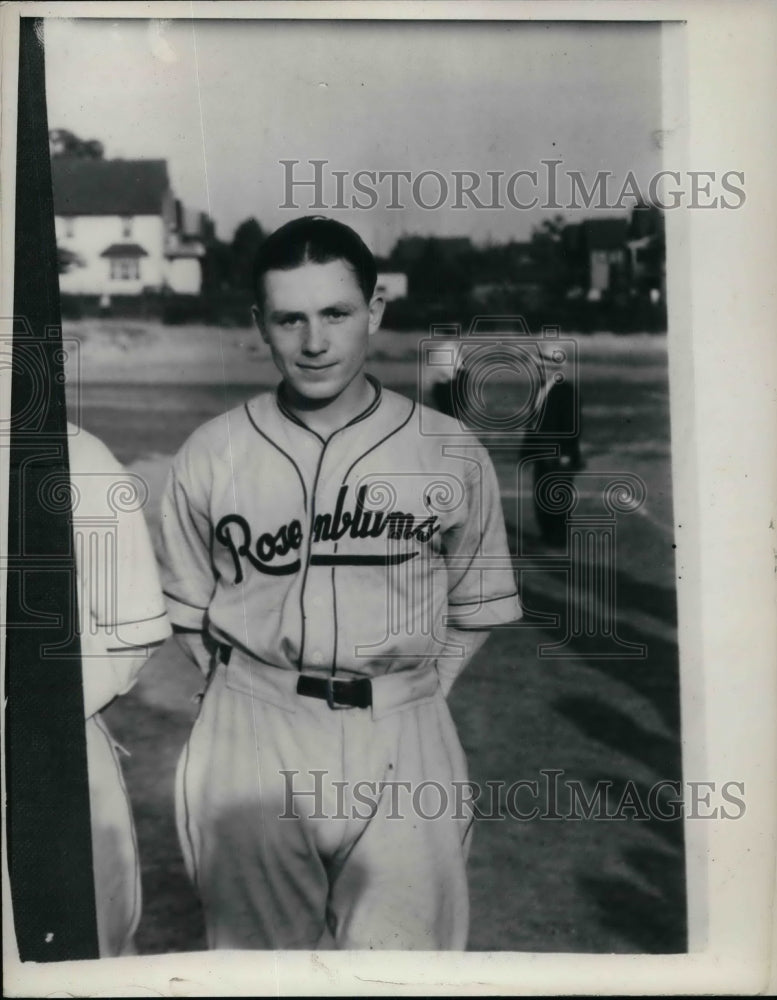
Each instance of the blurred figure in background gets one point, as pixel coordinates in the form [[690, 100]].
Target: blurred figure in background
[[448, 381], [559, 426], [122, 617]]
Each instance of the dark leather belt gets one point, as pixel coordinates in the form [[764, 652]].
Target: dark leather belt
[[335, 692]]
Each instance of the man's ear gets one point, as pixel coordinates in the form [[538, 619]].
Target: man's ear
[[377, 305], [256, 314]]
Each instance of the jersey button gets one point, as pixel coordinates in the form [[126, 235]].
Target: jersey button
[[318, 600], [318, 657]]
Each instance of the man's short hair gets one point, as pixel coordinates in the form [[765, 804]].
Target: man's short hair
[[314, 239]]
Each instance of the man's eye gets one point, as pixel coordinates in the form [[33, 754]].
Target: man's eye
[[335, 315], [289, 321]]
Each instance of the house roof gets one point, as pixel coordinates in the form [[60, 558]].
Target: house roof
[[124, 250], [108, 187]]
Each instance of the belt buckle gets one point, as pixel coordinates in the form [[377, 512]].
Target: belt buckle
[[330, 695]]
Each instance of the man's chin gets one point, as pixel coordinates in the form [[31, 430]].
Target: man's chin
[[317, 392]]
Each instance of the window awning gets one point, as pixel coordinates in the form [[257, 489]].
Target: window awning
[[124, 250]]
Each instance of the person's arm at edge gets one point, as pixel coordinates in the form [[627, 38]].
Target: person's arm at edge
[[186, 571], [450, 667], [478, 605], [107, 677]]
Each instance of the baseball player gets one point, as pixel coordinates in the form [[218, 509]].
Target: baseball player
[[121, 618], [332, 570]]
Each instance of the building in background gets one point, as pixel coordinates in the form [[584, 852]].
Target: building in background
[[605, 242], [647, 252], [121, 230], [186, 245], [596, 255]]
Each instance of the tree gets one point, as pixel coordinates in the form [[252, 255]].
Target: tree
[[67, 260], [93, 149], [549, 230], [218, 267], [65, 143], [248, 237], [438, 268], [551, 255]]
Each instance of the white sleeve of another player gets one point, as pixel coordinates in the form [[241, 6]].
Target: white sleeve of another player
[[126, 616], [188, 580], [481, 583], [121, 609]]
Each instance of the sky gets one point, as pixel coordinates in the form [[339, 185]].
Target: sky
[[224, 102]]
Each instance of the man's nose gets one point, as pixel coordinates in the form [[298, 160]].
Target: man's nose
[[315, 341]]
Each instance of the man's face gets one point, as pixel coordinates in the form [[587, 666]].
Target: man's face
[[316, 322]]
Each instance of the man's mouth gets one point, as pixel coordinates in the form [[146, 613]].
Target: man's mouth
[[316, 368]]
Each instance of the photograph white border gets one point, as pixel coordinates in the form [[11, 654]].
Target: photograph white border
[[723, 380]]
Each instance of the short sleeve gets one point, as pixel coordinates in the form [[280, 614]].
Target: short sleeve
[[481, 584], [188, 580], [122, 612], [139, 616]]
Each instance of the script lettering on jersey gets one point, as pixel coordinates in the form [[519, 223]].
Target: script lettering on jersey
[[287, 537], [370, 524], [234, 532]]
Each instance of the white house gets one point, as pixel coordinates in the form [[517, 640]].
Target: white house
[[185, 248], [127, 232]]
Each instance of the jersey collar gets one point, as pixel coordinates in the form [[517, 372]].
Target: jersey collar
[[366, 412]]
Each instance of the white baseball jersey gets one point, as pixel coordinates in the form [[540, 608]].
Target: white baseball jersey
[[121, 613], [346, 556]]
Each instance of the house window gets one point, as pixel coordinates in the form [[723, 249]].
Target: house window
[[126, 226], [125, 268], [70, 226]]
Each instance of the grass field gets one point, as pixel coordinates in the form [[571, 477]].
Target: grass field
[[607, 885]]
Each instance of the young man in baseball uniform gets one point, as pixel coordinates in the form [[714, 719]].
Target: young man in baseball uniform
[[331, 569]]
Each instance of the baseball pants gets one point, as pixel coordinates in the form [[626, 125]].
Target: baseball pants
[[116, 867], [374, 858]]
